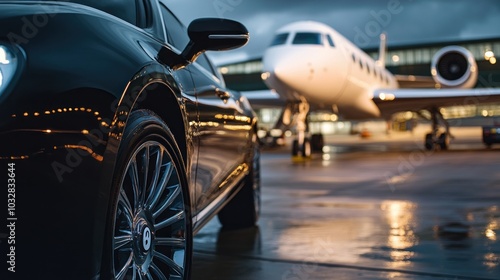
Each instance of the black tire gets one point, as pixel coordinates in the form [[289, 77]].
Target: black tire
[[243, 210], [306, 148], [444, 141], [317, 142], [429, 142], [295, 148], [149, 222]]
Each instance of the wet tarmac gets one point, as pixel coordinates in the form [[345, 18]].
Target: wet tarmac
[[380, 208]]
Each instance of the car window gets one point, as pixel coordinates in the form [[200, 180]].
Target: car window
[[144, 14], [307, 38], [177, 34]]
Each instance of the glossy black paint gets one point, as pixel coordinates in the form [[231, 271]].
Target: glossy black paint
[[61, 122], [214, 34]]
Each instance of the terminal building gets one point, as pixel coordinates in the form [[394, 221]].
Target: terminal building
[[405, 60]]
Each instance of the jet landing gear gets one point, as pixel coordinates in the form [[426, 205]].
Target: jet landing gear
[[304, 144], [432, 140], [301, 147]]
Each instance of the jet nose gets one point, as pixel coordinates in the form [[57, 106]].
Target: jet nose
[[285, 70]]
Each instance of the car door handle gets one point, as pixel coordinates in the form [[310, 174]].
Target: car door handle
[[222, 94]]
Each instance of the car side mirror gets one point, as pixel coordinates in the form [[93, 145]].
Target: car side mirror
[[206, 34], [214, 34]]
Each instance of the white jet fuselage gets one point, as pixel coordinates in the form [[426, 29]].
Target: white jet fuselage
[[329, 71]]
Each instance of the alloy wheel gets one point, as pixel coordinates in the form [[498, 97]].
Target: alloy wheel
[[150, 228]]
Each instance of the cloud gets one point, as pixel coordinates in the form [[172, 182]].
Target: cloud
[[418, 22]]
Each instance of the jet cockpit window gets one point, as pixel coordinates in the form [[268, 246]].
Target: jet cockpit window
[[330, 40], [307, 38], [280, 39]]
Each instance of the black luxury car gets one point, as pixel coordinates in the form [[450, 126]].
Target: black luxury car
[[118, 139]]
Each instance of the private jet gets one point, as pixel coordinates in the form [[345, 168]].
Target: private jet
[[312, 66]]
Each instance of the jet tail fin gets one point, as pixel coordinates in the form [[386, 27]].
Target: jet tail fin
[[382, 50]]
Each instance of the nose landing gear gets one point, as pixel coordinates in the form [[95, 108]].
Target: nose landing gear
[[301, 147]]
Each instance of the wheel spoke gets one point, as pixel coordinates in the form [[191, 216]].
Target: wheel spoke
[[122, 241], [123, 271], [173, 195], [169, 169], [175, 218], [148, 275], [157, 271], [156, 175], [134, 177], [145, 171], [128, 210], [176, 268], [134, 272], [171, 242]]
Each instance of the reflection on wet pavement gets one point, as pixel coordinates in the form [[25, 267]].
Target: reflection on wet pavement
[[402, 238], [345, 220]]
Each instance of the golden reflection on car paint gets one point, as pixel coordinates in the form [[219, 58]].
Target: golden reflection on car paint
[[49, 112], [400, 216], [237, 127], [242, 168], [91, 152], [15, 157], [59, 110], [231, 117]]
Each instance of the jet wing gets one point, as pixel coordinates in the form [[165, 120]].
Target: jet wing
[[412, 81], [398, 100]]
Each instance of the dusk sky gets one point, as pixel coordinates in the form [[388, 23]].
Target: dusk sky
[[405, 21]]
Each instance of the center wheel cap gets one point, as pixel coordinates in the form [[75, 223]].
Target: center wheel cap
[[146, 239]]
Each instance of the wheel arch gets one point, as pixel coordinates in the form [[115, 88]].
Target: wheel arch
[[162, 101], [152, 89]]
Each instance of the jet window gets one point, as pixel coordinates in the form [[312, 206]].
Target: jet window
[[279, 39], [307, 38], [330, 40]]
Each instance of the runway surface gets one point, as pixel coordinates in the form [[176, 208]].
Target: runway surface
[[379, 208]]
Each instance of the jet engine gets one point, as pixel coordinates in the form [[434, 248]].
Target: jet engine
[[454, 67]]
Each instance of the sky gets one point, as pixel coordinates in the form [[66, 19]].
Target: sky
[[405, 22]]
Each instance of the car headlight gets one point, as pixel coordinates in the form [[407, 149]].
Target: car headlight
[[10, 57]]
